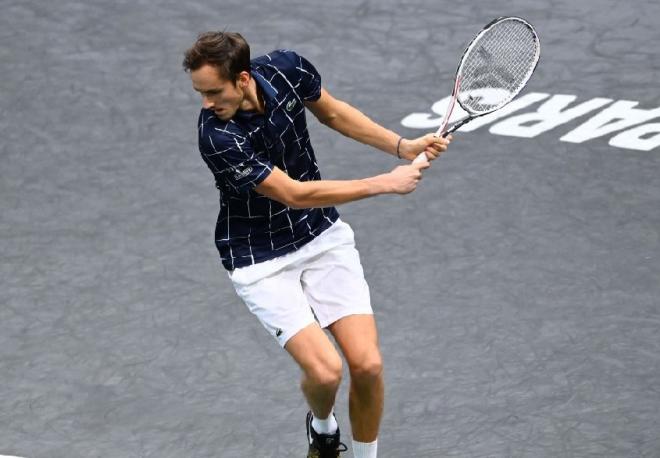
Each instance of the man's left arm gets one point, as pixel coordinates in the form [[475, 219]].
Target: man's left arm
[[352, 123]]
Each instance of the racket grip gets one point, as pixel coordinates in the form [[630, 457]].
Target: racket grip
[[420, 158]]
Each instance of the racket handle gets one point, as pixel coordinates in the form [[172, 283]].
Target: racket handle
[[420, 158]]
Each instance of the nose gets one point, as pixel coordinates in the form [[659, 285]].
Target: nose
[[207, 103]]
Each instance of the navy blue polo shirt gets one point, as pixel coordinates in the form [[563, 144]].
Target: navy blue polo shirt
[[242, 152]]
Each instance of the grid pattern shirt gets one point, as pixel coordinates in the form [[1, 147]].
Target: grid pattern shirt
[[242, 152]]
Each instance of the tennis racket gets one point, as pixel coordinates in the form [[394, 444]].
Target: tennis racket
[[493, 70]]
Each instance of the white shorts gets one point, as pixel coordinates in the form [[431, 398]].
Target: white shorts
[[321, 281]]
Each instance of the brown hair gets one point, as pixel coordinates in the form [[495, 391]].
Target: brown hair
[[228, 52]]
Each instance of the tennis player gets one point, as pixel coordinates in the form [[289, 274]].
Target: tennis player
[[290, 257]]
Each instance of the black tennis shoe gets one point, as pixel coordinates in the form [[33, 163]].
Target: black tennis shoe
[[323, 445]]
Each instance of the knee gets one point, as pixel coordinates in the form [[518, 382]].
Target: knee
[[325, 374], [368, 368]]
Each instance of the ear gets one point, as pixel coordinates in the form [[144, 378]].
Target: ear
[[243, 79]]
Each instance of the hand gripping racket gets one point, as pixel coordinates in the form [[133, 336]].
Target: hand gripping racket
[[494, 68]]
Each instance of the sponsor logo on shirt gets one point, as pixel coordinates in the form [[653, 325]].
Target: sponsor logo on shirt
[[290, 105], [242, 173]]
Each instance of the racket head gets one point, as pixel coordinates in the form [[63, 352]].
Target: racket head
[[496, 65]]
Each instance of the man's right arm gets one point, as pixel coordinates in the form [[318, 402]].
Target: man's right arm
[[327, 193]]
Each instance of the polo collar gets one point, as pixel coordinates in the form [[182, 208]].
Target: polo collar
[[267, 89]]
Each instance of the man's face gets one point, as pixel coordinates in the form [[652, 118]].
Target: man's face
[[222, 96]]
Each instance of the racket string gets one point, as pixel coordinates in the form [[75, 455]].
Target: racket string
[[497, 65]]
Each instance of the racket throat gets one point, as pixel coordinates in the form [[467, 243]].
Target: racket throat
[[456, 126]]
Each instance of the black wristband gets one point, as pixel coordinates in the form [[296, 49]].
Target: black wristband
[[398, 144]]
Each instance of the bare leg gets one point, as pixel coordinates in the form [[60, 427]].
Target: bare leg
[[358, 339], [321, 366]]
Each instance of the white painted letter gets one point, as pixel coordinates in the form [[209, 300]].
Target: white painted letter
[[548, 116], [617, 116], [632, 139], [426, 121], [515, 105]]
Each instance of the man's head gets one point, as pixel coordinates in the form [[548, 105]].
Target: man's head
[[219, 66]]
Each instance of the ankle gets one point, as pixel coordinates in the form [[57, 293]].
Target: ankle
[[325, 425], [365, 449]]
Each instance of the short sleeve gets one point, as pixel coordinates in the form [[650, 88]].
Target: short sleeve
[[307, 78], [233, 161]]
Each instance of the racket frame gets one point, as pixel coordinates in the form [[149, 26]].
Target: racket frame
[[471, 113]]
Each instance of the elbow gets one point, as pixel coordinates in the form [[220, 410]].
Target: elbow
[[298, 206], [295, 196], [329, 119], [284, 190], [297, 203], [335, 114], [287, 200]]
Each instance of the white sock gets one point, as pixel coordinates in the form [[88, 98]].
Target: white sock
[[365, 449], [325, 426]]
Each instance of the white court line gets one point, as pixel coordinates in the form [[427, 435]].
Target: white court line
[[10, 456]]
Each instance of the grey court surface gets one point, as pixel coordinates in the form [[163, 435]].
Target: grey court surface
[[517, 291]]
